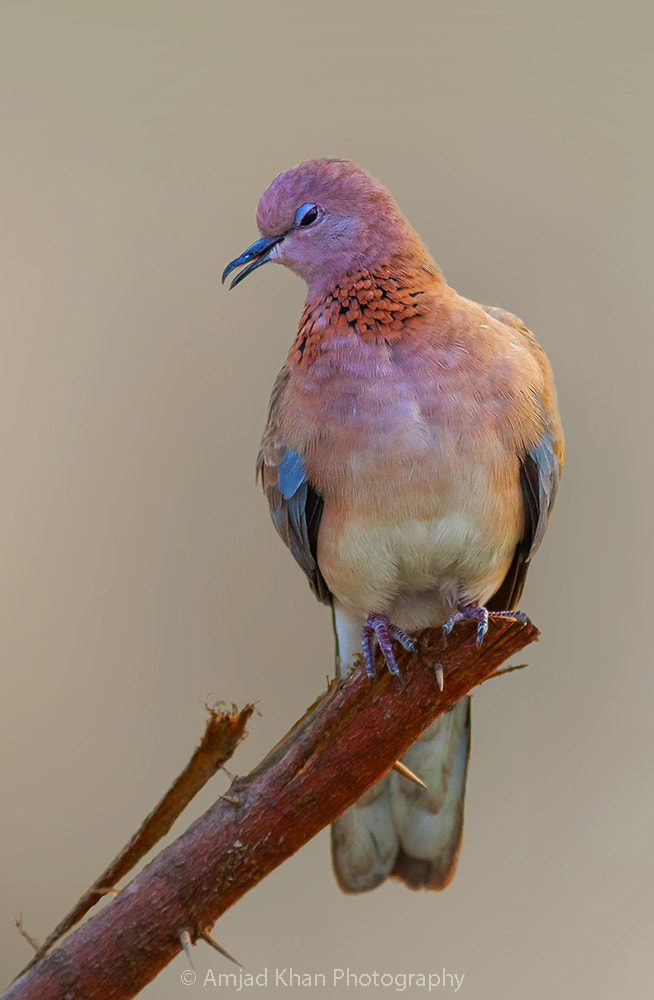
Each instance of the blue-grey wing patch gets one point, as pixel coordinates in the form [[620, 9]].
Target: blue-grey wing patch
[[295, 507], [539, 475], [539, 481]]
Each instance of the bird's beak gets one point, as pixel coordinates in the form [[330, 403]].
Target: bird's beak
[[257, 254]]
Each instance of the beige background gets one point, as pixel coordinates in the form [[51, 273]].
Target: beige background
[[137, 558]]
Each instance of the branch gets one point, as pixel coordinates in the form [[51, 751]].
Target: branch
[[343, 744], [224, 731]]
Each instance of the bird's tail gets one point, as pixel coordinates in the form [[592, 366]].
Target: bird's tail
[[401, 830]]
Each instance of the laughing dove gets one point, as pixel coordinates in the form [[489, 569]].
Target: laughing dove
[[411, 460]]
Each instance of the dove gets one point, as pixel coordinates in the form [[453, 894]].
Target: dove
[[411, 459]]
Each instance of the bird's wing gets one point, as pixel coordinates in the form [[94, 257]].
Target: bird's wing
[[295, 506], [540, 473]]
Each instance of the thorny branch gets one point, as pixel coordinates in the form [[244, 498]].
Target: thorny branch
[[224, 731], [348, 739]]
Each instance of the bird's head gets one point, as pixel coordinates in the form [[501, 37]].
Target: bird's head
[[325, 219]]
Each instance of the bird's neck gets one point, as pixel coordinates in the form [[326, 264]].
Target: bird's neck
[[377, 305]]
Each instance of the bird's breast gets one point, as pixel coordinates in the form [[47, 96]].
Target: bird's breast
[[364, 412], [421, 497]]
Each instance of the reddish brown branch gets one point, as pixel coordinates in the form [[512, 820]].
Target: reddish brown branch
[[347, 740]]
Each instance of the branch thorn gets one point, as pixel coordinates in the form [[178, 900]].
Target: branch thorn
[[406, 773], [206, 936], [32, 941], [185, 939]]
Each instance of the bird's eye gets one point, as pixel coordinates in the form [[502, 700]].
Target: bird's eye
[[306, 215]]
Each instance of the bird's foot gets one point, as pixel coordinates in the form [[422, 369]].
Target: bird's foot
[[481, 615], [381, 628], [475, 611]]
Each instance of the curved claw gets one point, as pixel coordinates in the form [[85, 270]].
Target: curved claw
[[381, 628]]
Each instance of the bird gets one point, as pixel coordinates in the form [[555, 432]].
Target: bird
[[411, 459]]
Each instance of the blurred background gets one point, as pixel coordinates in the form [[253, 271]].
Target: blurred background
[[139, 572]]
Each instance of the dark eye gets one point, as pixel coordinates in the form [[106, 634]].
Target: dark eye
[[306, 215]]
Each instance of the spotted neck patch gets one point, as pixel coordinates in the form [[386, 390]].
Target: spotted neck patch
[[375, 305]]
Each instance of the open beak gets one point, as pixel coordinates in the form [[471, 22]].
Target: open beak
[[254, 257]]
